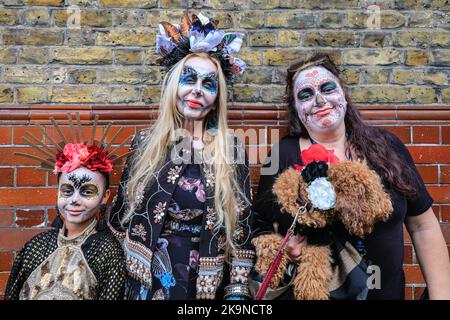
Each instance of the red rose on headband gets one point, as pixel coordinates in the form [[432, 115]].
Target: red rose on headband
[[75, 155], [317, 152], [98, 160]]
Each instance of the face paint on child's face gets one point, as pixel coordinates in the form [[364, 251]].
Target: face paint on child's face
[[80, 195], [198, 88], [319, 99]]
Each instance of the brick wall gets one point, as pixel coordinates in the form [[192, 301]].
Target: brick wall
[[397, 71]]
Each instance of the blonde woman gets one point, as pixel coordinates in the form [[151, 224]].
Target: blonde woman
[[182, 210]]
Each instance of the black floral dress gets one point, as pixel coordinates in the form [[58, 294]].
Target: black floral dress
[[175, 261]]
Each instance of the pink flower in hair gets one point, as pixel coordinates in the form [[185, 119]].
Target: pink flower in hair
[[75, 154], [78, 155]]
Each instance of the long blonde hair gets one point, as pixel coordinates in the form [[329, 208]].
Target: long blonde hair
[[219, 149]]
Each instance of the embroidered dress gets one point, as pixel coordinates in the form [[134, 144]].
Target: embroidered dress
[[175, 260], [176, 218], [52, 266]]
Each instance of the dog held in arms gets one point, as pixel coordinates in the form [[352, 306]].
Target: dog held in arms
[[359, 203]]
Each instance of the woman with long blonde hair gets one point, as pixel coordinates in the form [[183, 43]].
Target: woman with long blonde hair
[[183, 208]]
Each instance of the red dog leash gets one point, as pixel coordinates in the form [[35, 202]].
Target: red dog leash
[[276, 262]]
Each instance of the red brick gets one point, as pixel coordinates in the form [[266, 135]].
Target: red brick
[[3, 281], [6, 217], [445, 228], [408, 255], [14, 239], [112, 195], [440, 194], [28, 197], [445, 131], [430, 154], [53, 133], [445, 174], [254, 175], [402, 132], [9, 158], [406, 236], [30, 177], [6, 261], [445, 213], [425, 134], [51, 214], [126, 132], [52, 179], [429, 174], [274, 137], [19, 133], [6, 177], [408, 293], [413, 274], [5, 135], [30, 218], [436, 210], [114, 176], [418, 292]]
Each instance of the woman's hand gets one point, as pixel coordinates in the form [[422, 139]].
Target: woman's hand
[[295, 246]]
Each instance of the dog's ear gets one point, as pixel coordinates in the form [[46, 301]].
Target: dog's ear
[[360, 199], [286, 189]]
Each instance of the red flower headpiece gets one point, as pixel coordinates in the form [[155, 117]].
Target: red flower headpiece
[[77, 155], [73, 154], [317, 152]]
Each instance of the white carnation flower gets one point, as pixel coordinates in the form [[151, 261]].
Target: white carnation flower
[[321, 194]]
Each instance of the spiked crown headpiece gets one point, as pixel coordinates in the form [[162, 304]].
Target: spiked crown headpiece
[[70, 154]]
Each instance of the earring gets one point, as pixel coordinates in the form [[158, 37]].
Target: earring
[[57, 223], [101, 225]]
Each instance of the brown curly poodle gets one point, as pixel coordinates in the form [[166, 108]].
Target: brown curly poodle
[[361, 202]]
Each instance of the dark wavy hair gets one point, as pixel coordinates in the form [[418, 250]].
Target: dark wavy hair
[[369, 143]]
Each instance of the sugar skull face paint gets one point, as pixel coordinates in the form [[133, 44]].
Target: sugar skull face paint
[[80, 194], [198, 88], [319, 99]]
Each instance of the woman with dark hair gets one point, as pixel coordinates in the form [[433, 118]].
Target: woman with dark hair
[[320, 112]]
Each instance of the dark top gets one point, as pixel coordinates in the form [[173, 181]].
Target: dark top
[[102, 251], [176, 257], [384, 245]]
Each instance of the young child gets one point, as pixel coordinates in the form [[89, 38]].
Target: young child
[[79, 258]]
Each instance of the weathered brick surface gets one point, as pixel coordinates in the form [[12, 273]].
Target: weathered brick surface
[[392, 57]]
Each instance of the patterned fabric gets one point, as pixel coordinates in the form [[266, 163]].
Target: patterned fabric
[[101, 251], [162, 215]]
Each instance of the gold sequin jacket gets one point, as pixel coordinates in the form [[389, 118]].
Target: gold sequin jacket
[[101, 250]]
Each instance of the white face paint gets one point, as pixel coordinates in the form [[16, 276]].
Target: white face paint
[[198, 88], [319, 99], [80, 194]]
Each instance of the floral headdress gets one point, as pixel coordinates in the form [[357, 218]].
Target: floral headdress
[[69, 155], [174, 42]]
